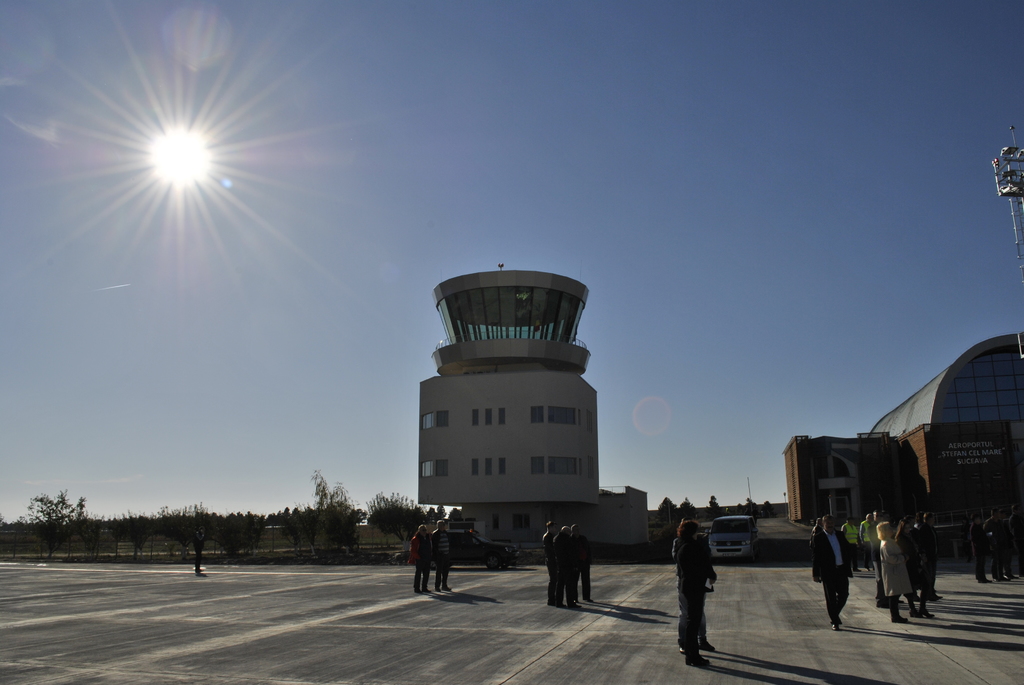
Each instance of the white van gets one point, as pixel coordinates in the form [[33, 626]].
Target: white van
[[734, 536]]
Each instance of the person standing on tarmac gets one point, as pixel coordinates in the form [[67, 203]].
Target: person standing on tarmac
[[550, 562], [567, 558], [583, 567], [441, 546], [853, 537], [867, 538], [198, 542]]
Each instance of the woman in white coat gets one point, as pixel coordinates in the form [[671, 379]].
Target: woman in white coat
[[895, 578]]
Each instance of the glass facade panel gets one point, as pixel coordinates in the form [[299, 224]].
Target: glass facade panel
[[988, 413], [964, 384], [970, 414], [1005, 383], [989, 388], [510, 312]]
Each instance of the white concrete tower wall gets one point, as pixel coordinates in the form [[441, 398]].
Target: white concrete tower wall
[[520, 454]]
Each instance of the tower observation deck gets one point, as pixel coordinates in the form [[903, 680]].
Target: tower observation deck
[[499, 321]]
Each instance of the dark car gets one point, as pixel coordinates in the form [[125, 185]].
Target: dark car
[[467, 547]]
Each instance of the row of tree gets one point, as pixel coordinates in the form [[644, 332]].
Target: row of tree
[[669, 513], [330, 520]]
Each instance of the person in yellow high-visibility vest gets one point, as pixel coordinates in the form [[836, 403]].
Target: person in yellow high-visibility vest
[[852, 533]]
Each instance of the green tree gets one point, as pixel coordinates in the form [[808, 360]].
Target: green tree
[[441, 513], [255, 525], [714, 509], [666, 511], [395, 515], [118, 531], [89, 529], [768, 509], [290, 528], [229, 532], [687, 510], [139, 528], [181, 524], [53, 518]]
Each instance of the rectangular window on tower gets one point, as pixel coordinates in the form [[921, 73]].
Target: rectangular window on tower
[[476, 417], [488, 415], [487, 466], [536, 465], [537, 414], [566, 415], [426, 469], [427, 421], [441, 467], [501, 416], [564, 466], [474, 467], [590, 467], [520, 521], [495, 521], [590, 421], [501, 466], [441, 420]]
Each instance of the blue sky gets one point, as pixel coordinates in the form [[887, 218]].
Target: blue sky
[[785, 214]]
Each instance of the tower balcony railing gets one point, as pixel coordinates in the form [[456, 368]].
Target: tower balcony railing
[[460, 339]]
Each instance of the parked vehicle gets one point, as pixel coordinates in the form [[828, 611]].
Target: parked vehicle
[[468, 547], [734, 536]]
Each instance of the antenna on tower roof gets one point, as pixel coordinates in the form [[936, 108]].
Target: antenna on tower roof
[[1009, 171]]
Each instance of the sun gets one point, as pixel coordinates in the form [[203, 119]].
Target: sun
[[181, 157]]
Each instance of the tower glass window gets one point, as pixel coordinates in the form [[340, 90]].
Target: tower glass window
[[488, 417], [476, 417], [501, 416], [511, 311], [536, 465], [537, 414]]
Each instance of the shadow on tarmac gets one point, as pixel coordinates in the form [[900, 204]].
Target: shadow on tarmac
[[790, 670], [623, 613], [462, 598]]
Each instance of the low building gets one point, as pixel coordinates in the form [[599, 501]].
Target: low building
[[953, 446]]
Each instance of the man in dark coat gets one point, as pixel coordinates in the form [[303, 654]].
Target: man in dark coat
[[1017, 533], [549, 561], [997, 541], [831, 555], [928, 545], [980, 547], [583, 565], [198, 542], [567, 559]]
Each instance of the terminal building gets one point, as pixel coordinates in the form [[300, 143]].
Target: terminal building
[[953, 446], [508, 427]]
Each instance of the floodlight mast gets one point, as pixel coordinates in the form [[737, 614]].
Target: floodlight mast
[[1009, 171]]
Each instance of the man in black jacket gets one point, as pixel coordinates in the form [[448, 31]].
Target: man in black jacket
[[198, 542], [583, 565], [551, 563], [928, 544], [1017, 532], [830, 561], [567, 559]]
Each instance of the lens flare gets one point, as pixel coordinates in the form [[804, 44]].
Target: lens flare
[[652, 416], [181, 157]]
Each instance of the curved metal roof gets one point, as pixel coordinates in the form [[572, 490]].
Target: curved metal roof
[[925, 405]]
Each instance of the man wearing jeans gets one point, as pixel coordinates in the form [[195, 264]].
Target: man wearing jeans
[[442, 556]]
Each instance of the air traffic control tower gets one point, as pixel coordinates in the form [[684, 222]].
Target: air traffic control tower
[[508, 427]]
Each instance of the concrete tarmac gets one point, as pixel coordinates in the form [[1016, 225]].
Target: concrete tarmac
[[103, 623]]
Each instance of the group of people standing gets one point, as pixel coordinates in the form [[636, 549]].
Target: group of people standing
[[903, 555], [425, 548], [997, 537], [567, 557]]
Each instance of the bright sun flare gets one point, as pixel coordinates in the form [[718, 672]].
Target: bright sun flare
[[181, 157]]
